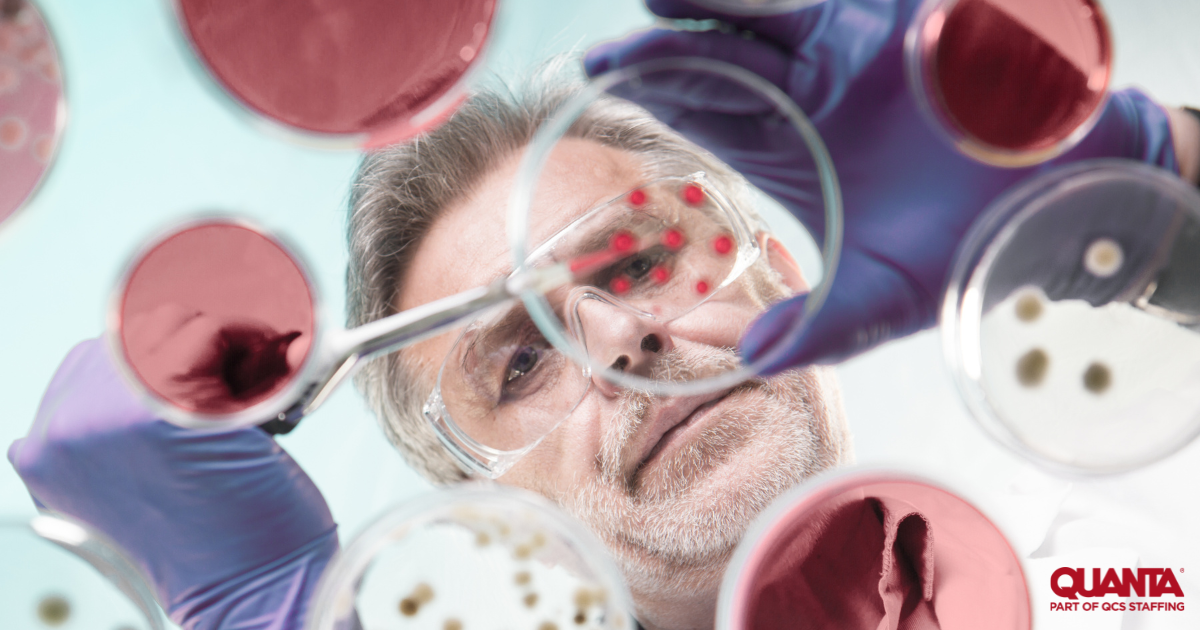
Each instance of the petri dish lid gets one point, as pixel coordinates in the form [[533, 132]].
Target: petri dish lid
[[833, 547], [33, 110], [1072, 317], [60, 573], [472, 557], [734, 119], [350, 74], [215, 322], [1010, 82]]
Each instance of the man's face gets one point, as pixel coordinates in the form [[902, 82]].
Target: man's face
[[668, 483]]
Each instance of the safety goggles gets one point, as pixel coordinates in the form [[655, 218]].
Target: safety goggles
[[654, 254]]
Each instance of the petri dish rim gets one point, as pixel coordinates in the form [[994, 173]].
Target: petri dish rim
[[397, 131], [962, 303], [732, 595], [98, 551], [922, 84], [351, 561], [551, 131], [60, 123], [267, 409], [762, 8]]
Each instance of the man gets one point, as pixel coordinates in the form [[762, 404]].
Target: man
[[428, 221]]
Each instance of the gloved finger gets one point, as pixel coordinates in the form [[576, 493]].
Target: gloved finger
[[760, 57], [786, 29], [868, 304]]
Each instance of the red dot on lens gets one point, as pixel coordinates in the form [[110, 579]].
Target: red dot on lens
[[619, 285], [693, 194], [660, 275], [702, 287], [621, 242], [637, 198], [722, 244], [672, 239]]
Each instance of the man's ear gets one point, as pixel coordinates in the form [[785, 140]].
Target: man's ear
[[782, 262]]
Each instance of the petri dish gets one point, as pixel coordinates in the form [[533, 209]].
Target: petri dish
[[756, 7], [472, 557], [1072, 317], [708, 255], [360, 73], [873, 548], [60, 574], [215, 322], [1010, 82], [33, 108]]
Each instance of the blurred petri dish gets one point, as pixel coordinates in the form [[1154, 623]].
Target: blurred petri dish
[[215, 322], [756, 7], [709, 247], [357, 73], [866, 549], [59, 574], [1072, 317], [1010, 82], [472, 557], [32, 104]]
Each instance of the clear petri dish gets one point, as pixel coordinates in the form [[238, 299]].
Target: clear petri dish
[[33, 108], [59, 574], [353, 74], [215, 322], [756, 7], [1010, 82], [708, 248], [852, 548], [472, 557], [1072, 317]]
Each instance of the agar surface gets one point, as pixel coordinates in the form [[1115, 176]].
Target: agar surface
[[1032, 367]]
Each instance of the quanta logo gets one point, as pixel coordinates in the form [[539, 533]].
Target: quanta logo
[[1072, 583]]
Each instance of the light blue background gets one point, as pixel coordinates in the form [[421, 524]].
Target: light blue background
[[149, 142]]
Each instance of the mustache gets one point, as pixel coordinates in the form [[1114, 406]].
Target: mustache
[[677, 365]]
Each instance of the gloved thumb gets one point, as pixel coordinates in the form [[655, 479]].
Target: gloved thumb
[[869, 303]]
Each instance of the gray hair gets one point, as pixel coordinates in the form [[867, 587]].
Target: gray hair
[[399, 192]]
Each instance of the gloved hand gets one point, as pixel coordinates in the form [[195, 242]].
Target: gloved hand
[[909, 196], [227, 527]]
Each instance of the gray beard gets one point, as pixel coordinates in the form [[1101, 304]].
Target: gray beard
[[673, 528]]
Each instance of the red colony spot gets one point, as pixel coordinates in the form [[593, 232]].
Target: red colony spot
[[693, 194], [672, 239], [722, 244], [620, 285], [1019, 75], [621, 242], [637, 198], [702, 287], [660, 275]]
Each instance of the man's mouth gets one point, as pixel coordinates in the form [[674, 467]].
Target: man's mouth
[[671, 424]]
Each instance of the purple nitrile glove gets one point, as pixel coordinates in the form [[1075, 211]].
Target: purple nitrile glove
[[227, 527], [909, 196]]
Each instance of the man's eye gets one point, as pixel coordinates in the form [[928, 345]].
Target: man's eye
[[639, 267], [522, 363]]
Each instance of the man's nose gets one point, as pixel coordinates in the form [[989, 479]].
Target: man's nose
[[618, 338]]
